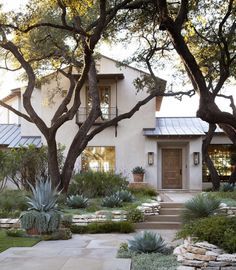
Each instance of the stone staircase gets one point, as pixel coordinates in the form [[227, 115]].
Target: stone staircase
[[168, 219]]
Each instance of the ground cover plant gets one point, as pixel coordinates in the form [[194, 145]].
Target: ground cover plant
[[228, 197], [9, 241], [148, 251]]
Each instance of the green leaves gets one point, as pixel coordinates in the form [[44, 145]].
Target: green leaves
[[202, 205]]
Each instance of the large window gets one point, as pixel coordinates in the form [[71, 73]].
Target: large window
[[221, 157], [105, 101], [98, 158]]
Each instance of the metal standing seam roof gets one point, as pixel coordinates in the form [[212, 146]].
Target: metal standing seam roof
[[10, 136], [179, 126]]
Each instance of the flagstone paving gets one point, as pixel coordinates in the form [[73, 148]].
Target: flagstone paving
[[82, 252]]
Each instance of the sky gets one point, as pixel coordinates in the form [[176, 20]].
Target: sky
[[170, 106]]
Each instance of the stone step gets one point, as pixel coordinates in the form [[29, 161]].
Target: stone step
[[171, 205], [163, 218], [158, 225], [171, 211]]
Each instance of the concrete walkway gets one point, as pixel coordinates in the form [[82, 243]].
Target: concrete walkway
[[177, 196], [82, 252]]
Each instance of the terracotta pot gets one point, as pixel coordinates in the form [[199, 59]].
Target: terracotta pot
[[138, 177], [32, 231]]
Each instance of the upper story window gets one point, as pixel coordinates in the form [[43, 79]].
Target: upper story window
[[105, 101], [98, 158], [108, 112]]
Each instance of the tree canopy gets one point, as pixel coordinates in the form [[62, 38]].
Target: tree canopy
[[53, 34]]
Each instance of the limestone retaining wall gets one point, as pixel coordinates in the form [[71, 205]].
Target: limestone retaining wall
[[202, 255]]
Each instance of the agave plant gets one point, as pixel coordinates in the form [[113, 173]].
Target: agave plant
[[112, 201], [125, 195], [44, 197], [202, 205], [147, 242], [77, 201], [228, 187], [42, 213]]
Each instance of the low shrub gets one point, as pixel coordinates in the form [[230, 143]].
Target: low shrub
[[15, 232], [135, 215], [12, 200], [97, 184], [77, 201], [143, 191], [217, 230], [61, 234], [112, 201], [147, 242], [11, 214], [66, 221], [123, 251], [202, 205], [106, 227]]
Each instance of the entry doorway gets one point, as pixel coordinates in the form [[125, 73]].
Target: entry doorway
[[171, 168]]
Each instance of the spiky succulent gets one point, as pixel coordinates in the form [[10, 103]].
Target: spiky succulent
[[112, 201], [202, 205], [44, 196], [228, 187], [77, 201], [147, 242], [42, 213], [125, 195]]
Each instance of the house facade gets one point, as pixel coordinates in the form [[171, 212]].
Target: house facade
[[169, 149]]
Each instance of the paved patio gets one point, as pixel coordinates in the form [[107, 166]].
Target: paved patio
[[85, 252]]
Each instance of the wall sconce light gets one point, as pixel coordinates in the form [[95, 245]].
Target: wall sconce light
[[196, 158], [150, 158]]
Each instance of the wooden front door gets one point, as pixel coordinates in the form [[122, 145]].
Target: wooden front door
[[172, 168]]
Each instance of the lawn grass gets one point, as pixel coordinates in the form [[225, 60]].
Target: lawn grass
[[7, 241]]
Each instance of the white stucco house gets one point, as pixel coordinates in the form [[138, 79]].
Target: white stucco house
[[168, 148]]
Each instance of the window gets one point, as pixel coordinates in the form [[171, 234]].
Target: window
[[221, 157], [105, 100], [98, 158]]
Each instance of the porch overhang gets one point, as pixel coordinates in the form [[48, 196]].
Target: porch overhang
[[106, 76]]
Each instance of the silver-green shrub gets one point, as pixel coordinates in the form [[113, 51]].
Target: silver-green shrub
[[147, 242], [202, 205], [77, 201], [42, 213], [112, 201], [125, 195]]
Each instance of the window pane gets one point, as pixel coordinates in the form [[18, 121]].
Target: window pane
[[98, 158], [104, 95], [221, 157]]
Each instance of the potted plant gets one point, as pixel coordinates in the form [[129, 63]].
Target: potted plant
[[42, 216], [138, 174]]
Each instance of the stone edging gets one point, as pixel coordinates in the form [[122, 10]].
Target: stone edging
[[202, 255]]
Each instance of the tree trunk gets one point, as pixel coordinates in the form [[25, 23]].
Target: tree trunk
[[232, 178], [53, 168], [215, 179]]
